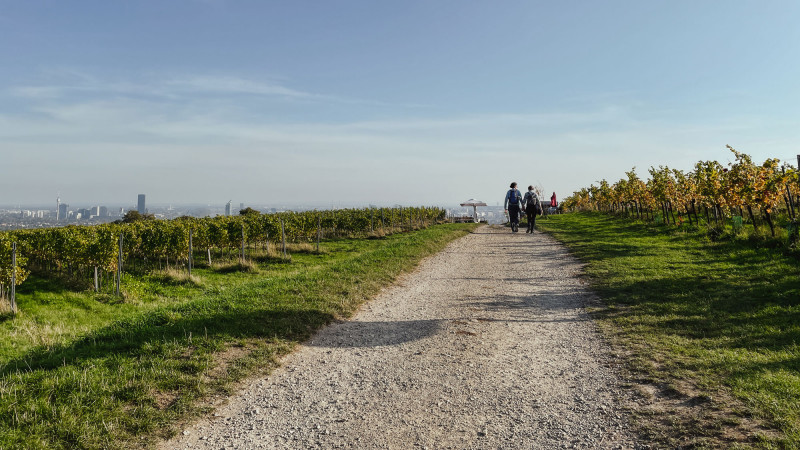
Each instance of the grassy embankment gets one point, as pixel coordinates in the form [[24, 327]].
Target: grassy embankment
[[84, 370], [715, 324]]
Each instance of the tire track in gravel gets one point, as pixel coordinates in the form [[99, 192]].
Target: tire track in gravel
[[485, 345]]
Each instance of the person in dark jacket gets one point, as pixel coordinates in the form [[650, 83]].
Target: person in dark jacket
[[512, 205], [532, 207]]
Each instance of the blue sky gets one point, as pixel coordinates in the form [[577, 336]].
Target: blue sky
[[356, 102]]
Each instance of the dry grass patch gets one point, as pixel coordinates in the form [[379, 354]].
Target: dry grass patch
[[300, 247], [178, 277], [5, 308], [246, 266]]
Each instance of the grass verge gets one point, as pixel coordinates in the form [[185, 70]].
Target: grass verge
[[78, 370], [710, 329]]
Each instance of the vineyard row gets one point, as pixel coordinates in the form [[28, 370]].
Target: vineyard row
[[742, 187], [78, 248]]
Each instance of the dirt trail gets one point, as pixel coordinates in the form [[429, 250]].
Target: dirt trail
[[485, 345]]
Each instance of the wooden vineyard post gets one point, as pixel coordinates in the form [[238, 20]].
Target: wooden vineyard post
[[788, 198], [371, 220], [242, 257], [13, 297], [319, 231], [283, 238], [798, 173], [119, 264], [266, 242], [96, 284], [189, 265]]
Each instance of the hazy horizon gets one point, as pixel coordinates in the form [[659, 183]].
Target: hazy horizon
[[42, 206]]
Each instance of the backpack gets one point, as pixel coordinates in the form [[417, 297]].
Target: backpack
[[532, 204], [513, 197]]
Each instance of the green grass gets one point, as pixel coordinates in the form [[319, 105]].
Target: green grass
[[83, 370], [722, 318]]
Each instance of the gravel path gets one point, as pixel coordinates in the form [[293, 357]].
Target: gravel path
[[485, 345]]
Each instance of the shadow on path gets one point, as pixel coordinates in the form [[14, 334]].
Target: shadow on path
[[376, 334]]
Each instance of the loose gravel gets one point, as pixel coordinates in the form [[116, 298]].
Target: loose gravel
[[486, 345]]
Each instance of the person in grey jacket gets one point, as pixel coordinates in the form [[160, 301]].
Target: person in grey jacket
[[532, 208], [513, 206]]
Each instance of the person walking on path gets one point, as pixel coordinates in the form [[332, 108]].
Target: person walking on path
[[512, 206], [532, 208]]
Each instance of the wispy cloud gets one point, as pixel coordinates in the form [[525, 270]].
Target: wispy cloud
[[171, 88], [188, 87], [233, 85], [204, 111]]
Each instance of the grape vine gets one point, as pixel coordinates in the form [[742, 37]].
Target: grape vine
[[755, 192]]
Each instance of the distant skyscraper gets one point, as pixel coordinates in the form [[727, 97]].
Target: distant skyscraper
[[228, 208], [58, 207], [103, 211], [241, 206], [62, 211], [141, 207]]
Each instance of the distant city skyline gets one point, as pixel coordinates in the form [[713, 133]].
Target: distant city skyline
[[141, 200], [358, 103], [28, 216], [133, 205]]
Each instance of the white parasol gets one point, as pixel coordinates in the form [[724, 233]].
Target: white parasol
[[474, 203]]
